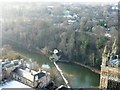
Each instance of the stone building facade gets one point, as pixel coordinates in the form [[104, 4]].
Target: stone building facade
[[110, 69], [35, 80], [0, 70]]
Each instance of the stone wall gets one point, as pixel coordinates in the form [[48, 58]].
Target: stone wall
[[113, 85], [0, 71], [109, 74], [22, 80]]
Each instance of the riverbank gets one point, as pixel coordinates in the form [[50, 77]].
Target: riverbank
[[39, 56], [88, 67]]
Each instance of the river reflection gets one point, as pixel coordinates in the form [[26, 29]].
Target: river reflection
[[81, 77]]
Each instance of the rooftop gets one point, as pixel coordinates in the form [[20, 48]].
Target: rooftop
[[9, 64], [29, 74], [13, 84]]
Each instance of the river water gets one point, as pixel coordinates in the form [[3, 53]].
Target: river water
[[79, 76]]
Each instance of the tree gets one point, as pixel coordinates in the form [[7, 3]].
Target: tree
[[98, 30], [113, 32]]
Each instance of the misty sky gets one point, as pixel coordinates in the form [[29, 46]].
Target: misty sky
[[62, 0]]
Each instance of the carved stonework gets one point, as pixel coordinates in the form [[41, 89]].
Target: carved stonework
[[106, 75], [114, 47], [103, 82], [113, 85], [109, 73]]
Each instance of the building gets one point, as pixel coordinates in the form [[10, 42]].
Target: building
[[8, 67], [18, 70], [0, 70], [110, 69], [31, 78]]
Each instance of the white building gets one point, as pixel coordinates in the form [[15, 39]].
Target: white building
[[107, 35], [15, 84]]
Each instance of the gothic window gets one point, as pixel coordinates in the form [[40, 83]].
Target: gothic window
[[113, 85]]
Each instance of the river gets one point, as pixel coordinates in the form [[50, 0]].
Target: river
[[79, 76]]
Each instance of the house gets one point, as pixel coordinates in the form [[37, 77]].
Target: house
[[107, 35], [7, 67], [31, 78], [14, 70], [71, 21], [114, 8]]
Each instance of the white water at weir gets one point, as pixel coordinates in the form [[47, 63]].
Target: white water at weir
[[61, 73], [13, 84]]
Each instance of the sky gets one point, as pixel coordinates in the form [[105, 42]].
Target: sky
[[61, 0]]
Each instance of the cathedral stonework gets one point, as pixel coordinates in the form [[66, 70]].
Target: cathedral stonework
[[0, 71], [110, 69]]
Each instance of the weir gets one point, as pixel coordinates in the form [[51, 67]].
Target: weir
[[61, 73]]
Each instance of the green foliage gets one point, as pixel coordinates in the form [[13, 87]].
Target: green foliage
[[100, 42], [101, 22]]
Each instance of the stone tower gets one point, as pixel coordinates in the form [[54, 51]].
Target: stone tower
[[0, 70], [110, 74]]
